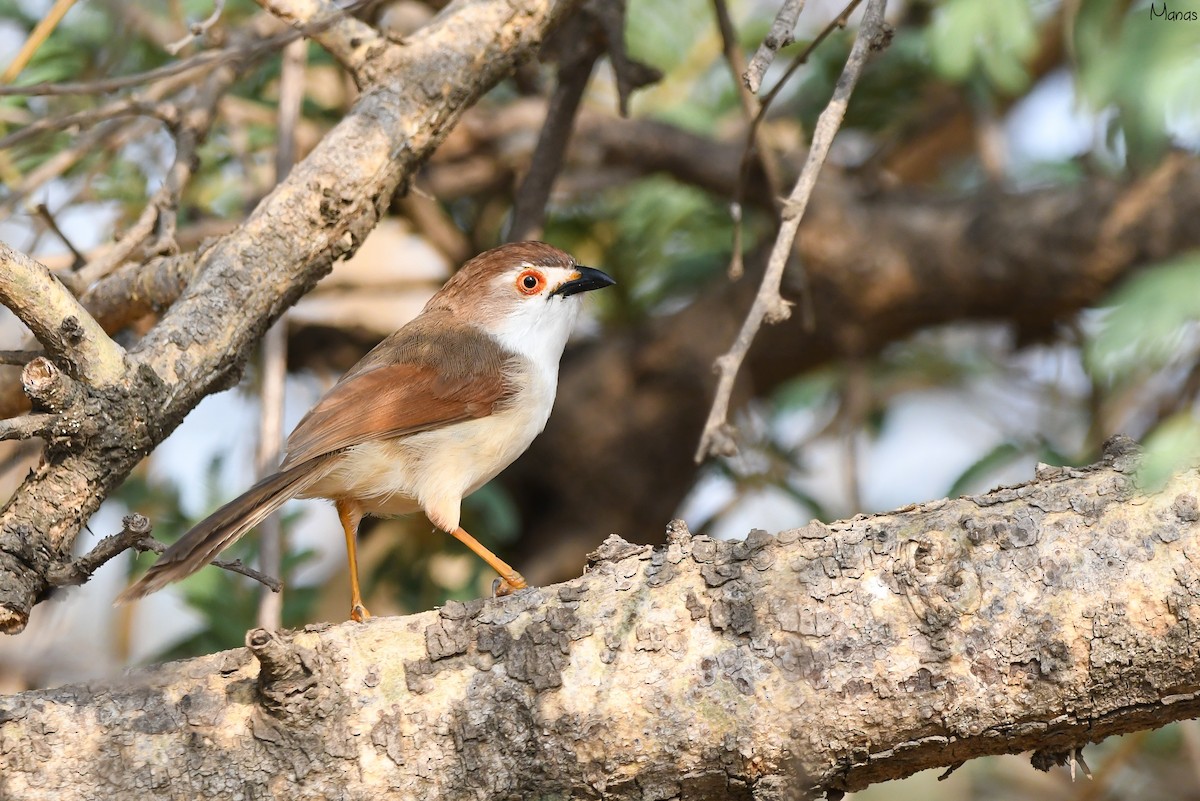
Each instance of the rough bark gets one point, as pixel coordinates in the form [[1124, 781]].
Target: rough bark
[[412, 95], [1044, 616]]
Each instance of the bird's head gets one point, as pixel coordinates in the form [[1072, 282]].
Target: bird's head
[[526, 294]]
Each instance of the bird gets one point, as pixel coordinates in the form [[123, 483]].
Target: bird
[[427, 417]]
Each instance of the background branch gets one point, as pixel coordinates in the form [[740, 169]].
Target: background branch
[[778, 37], [769, 306]]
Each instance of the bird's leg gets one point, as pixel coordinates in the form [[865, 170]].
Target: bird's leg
[[350, 513], [510, 579]]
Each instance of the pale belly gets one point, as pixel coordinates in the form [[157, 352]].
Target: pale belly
[[433, 470]]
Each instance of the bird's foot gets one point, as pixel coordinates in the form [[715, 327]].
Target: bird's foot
[[508, 585], [359, 613]]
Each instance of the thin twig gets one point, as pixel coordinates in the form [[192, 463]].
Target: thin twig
[[43, 211], [208, 58], [752, 111], [128, 107], [135, 534], [574, 72], [273, 358], [25, 427], [158, 217], [197, 29], [755, 144], [40, 33], [779, 36], [19, 357], [768, 305]]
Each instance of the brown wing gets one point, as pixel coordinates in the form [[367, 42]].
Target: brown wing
[[413, 381]]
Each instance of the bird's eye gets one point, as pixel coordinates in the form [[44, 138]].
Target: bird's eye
[[530, 282]]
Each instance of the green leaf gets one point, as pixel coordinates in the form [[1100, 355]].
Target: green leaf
[[996, 40], [1150, 317], [1142, 67], [807, 390], [1000, 456], [1172, 447]]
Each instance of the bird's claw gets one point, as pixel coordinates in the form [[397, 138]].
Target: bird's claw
[[507, 586]]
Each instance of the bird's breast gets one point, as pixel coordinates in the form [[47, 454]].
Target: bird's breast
[[433, 470]]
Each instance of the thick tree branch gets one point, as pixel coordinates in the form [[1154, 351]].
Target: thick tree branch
[[1044, 616], [245, 280], [69, 334]]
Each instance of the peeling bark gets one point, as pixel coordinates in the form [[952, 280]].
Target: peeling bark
[[1043, 616]]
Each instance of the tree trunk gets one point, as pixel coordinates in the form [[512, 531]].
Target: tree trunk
[[826, 658]]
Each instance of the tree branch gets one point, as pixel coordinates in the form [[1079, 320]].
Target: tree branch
[[69, 334], [778, 37], [25, 427], [574, 72], [354, 43], [769, 306], [135, 534], [824, 659]]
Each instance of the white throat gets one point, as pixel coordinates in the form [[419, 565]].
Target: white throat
[[538, 329]]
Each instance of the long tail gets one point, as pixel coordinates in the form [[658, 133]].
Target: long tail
[[225, 526]]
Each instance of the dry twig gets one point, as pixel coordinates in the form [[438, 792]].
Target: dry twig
[[755, 143], [18, 357], [574, 72], [43, 211], [135, 534], [158, 217], [779, 36], [273, 352], [25, 427], [197, 29], [769, 306], [40, 33]]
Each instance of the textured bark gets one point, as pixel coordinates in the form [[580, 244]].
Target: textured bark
[[412, 95], [1043, 616]]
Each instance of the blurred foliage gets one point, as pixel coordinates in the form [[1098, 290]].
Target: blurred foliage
[[1142, 68], [983, 39], [663, 241], [1150, 321]]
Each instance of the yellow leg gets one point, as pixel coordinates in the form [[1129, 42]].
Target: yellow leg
[[350, 513], [511, 579]]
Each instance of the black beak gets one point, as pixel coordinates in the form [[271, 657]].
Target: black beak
[[589, 278]]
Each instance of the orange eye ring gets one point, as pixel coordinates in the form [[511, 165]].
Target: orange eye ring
[[530, 282]]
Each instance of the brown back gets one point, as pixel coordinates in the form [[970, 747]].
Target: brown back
[[412, 381]]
